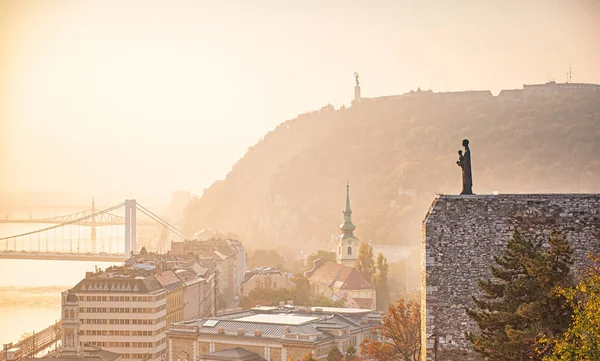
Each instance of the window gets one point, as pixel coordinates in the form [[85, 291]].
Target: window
[[182, 356], [349, 251]]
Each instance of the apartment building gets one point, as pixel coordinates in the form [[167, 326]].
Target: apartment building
[[123, 311], [229, 258], [175, 273], [175, 295]]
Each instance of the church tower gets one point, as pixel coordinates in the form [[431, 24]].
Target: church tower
[[347, 247], [70, 324]]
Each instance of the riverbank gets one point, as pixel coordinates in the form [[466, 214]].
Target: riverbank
[[30, 297]]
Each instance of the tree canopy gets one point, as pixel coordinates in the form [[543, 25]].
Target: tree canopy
[[581, 342], [397, 153], [520, 305], [266, 258], [365, 263], [400, 334]]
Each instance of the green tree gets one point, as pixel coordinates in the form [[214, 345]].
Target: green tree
[[303, 289], [334, 354], [381, 282], [325, 255], [520, 304], [365, 263], [350, 354], [581, 342], [266, 258]]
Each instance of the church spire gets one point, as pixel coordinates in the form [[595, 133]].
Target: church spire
[[347, 226]]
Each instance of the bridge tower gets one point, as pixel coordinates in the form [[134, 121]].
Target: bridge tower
[[130, 226]]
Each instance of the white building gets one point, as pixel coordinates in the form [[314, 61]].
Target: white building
[[123, 313]]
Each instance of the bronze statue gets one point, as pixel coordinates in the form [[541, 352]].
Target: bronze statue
[[464, 162], [356, 79]]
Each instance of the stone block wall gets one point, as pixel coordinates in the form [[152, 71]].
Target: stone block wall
[[462, 234]]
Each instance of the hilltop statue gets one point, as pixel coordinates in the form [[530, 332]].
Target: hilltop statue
[[464, 162], [356, 88]]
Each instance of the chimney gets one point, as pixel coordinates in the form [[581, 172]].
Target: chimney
[[240, 331], [221, 330], [257, 333], [290, 302]]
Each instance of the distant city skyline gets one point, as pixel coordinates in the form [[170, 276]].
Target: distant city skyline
[[154, 96]]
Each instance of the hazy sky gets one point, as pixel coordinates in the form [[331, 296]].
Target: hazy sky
[[163, 95]]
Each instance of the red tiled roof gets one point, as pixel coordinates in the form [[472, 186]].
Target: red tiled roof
[[335, 275], [168, 280], [364, 303]]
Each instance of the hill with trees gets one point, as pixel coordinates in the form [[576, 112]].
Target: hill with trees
[[289, 189]]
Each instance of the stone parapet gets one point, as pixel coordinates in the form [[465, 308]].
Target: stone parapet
[[460, 237]]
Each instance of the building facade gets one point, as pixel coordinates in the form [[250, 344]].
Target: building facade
[[266, 278], [273, 333], [229, 259], [124, 313], [175, 295], [71, 348]]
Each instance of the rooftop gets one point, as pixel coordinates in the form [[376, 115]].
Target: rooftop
[[335, 275], [278, 319], [90, 353], [236, 354], [299, 323]]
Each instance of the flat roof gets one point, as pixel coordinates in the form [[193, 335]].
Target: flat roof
[[278, 319], [341, 310]]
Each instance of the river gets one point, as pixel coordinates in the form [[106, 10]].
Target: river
[[30, 293], [30, 289]]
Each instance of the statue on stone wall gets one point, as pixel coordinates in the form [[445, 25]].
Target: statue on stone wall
[[464, 162], [356, 79]]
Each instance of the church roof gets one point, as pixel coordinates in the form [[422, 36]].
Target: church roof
[[336, 275]]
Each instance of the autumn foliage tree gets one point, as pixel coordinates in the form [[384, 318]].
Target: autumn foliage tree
[[308, 357], [399, 335], [581, 342]]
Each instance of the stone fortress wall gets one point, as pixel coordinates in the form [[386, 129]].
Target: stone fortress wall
[[528, 91], [461, 235]]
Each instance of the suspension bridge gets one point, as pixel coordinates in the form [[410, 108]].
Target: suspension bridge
[[74, 237]]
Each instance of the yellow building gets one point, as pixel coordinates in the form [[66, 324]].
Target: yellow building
[[175, 296]]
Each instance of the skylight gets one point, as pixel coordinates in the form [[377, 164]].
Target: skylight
[[211, 323], [280, 319]]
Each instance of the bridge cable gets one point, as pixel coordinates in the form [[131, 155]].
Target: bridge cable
[[159, 220], [163, 223], [66, 223]]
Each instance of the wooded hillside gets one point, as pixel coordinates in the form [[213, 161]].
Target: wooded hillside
[[289, 189]]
